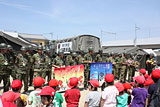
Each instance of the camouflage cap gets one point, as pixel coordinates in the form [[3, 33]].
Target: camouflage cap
[[90, 49], [30, 47], [3, 46], [23, 48], [9, 47]]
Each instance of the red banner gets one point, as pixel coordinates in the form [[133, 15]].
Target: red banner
[[63, 75]]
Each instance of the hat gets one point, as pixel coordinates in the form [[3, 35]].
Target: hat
[[148, 82], [47, 91], [53, 83], [146, 76], [73, 82], [139, 79], [119, 87], [16, 84], [156, 74], [109, 77], [38, 81], [143, 71], [127, 85], [94, 82], [9, 96]]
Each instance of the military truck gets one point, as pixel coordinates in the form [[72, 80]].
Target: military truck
[[77, 43]]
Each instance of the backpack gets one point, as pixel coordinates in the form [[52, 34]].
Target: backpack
[[155, 99]]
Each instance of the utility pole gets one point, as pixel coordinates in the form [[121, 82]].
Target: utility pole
[[135, 38]]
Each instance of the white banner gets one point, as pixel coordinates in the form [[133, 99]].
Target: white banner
[[65, 46]]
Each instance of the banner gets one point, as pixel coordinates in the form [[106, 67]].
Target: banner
[[99, 70], [63, 75], [65, 46]]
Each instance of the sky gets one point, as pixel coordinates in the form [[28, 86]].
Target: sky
[[107, 19]]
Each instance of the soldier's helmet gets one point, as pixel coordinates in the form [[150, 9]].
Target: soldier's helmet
[[9, 47], [30, 47], [90, 49], [100, 51], [40, 47], [23, 48], [3, 46], [74, 54], [60, 52], [47, 50]]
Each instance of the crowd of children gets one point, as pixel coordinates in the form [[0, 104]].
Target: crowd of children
[[143, 92]]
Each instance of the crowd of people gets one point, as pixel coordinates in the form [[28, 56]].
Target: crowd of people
[[143, 92], [33, 65]]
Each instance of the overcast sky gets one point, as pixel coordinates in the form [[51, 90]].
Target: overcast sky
[[68, 18]]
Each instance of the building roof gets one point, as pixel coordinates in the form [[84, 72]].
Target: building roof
[[13, 36], [33, 36], [146, 41]]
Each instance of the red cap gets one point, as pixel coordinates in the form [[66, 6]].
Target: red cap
[[109, 77], [143, 71], [156, 74], [47, 91], [16, 84], [148, 82], [38, 81], [94, 82], [139, 79], [127, 86], [73, 82], [53, 83], [119, 86], [9, 96]]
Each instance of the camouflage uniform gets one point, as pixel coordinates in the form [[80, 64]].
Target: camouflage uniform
[[4, 74], [22, 69], [38, 64], [87, 57], [68, 60], [74, 60], [117, 67], [30, 68], [130, 68], [123, 69], [48, 67], [98, 58], [150, 64], [80, 59], [11, 62]]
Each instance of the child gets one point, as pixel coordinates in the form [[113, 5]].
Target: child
[[16, 87], [140, 94], [47, 95], [142, 72], [127, 88], [93, 98], [122, 98], [72, 95], [8, 98], [110, 92], [33, 99], [58, 100]]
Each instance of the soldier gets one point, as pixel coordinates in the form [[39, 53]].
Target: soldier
[[117, 65], [75, 59], [38, 61], [58, 61], [68, 60], [87, 60], [48, 65], [99, 56], [150, 63], [30, 67], [80, 58], [4, 74], [21, 63], [123, 65], [11, 58]]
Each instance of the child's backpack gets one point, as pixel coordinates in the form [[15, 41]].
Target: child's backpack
[[155, 99]]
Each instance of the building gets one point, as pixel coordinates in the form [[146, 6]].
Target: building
[[35, 38]]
